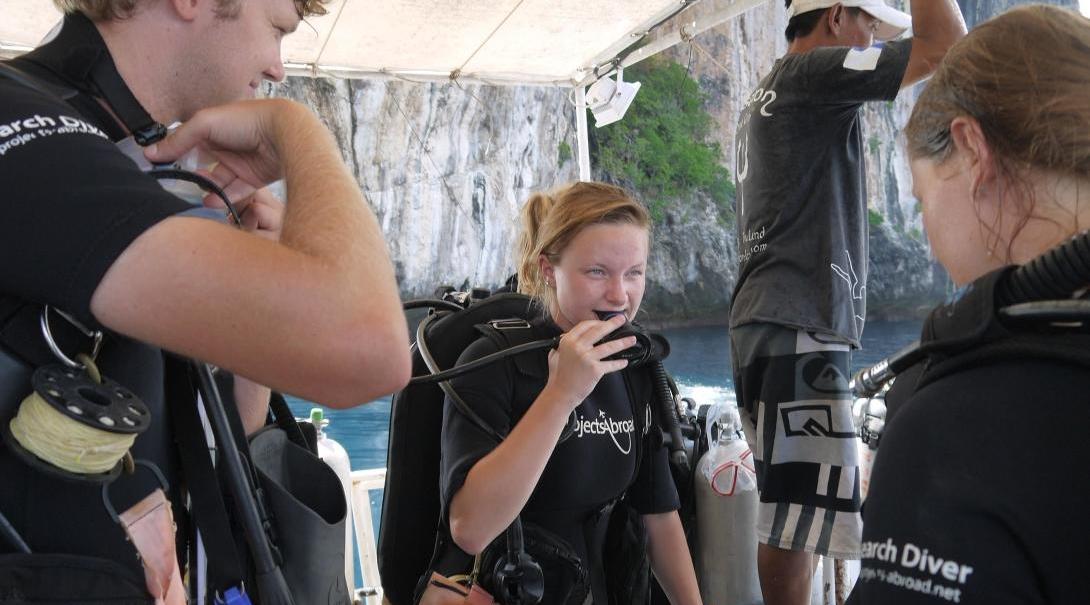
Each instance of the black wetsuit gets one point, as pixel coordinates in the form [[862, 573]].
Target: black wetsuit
[[980, 489], [71, 204], [607, 455]]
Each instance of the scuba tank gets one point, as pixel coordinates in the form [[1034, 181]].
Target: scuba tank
[[333, 453], [725, 488]]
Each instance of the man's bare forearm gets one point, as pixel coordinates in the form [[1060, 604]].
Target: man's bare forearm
[[936, 26], [937, 22]]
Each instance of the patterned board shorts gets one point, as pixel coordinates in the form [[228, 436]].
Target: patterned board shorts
[[796, 410]]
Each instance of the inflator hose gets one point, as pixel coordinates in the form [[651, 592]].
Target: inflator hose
[[173, 174], [13, 536], [466, 368], [271, 586], [668, 413]]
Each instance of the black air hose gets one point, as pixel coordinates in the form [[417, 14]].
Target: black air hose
[[668, 413], [1055, 274], [12, 535], [869, 381], [432, 303]]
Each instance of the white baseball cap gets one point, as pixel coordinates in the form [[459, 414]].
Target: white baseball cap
[[893, 22]]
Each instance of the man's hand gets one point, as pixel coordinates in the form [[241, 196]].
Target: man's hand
[[245, 138], [314, 311], [261, 212], [576, 366]]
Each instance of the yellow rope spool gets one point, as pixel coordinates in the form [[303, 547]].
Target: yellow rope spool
[[64, 442], [80, 424]]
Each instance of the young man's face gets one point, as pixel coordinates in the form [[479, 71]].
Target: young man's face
[[857, 28], [231, 56]]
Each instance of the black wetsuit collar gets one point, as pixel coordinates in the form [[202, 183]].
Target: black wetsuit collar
[[78, 57]]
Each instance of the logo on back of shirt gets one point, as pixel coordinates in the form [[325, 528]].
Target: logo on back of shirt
[[857, 287], [863, 59], [618, 430], [22, 131]]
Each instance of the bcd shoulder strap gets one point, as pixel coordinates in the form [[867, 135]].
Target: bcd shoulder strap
[[207, 506], [508, 333], [972, 331], [532, 367]]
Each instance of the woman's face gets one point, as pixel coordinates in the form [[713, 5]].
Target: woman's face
[[952, 221], [602, 269]]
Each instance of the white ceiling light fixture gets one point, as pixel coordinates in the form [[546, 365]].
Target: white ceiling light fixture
[[608, 100]]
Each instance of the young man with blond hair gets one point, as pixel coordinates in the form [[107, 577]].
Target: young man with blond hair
[[302, 299]]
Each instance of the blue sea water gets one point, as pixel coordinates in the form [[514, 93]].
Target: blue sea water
[[699, 362]]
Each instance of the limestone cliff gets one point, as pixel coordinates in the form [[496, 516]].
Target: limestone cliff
[[447, 166]]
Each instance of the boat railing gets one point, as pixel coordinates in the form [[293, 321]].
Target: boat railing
[[363, 482]]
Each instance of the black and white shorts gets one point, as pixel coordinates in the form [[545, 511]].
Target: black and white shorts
[[796, 410]]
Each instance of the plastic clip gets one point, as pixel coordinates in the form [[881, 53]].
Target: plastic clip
[[47, 332], [235, 595]]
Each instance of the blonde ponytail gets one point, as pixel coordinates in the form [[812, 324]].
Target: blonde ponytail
[[534, 214]]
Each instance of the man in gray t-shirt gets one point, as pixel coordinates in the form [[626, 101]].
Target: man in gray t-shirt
[[800, 301]]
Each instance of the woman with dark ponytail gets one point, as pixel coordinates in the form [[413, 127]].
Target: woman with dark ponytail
[[980, 489], [582, 257]]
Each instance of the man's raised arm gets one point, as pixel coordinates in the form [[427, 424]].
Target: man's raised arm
[[936, 26], [316, 314]]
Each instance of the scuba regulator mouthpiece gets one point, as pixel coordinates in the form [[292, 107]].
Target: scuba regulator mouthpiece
[[604, 315], [649, 346]]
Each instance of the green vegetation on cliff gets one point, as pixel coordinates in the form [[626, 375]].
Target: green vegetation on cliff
[[661, 146]]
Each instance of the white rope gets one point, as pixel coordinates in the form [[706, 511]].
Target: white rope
[[66, 443]]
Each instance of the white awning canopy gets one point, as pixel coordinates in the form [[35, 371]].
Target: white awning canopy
[[549, 42], [569, 43]]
